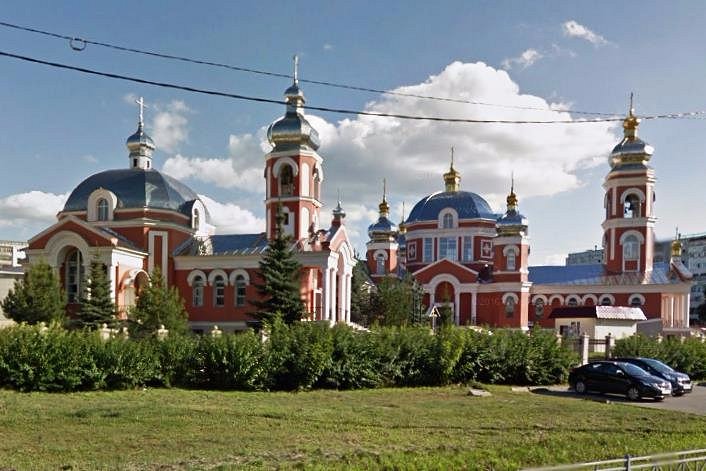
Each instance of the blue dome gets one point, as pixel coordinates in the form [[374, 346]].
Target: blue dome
[[136, 188], [382, 226], [468, 206]]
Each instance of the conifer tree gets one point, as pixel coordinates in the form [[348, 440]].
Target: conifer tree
[[37, 297], [157, 305], [360, 295], [280, 274], [97, 306]]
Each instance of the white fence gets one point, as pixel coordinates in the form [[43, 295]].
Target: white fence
[[690, 460]]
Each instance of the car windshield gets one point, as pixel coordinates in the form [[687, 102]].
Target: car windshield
[[634, 370], [658, 365]]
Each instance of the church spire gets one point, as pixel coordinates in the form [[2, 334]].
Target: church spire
[[631, 122], [512, 197], [452, 178], [140, 144], [401, 225], [384, 207]]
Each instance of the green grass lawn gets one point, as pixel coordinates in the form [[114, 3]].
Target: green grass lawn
[[437, 428]]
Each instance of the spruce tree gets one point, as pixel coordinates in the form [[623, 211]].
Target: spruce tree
[[97, 306], [280, 273], [157, 305], [37, 297], [360, 295]]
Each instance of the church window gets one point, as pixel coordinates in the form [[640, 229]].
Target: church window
[[380, 264], [74, 276], [510, 306], [572, 302], [428, 249], [539, 308], [468, 249], [286, 181], [197, 219], [608, 203], [412, 254], [635, 301], [197, 291], [606, 301], [317, 184], [134, 163], [448, 221], [240, 291], [447, 248], [102, 209], [219, 291], [632, 206], [631, 248], [510, 260]]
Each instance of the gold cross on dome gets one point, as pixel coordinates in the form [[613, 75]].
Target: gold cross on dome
[[141, 102]]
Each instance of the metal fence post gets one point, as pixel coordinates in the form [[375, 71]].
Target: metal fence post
[[609, 344], [628, 463]]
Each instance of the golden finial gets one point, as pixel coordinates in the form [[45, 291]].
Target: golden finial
[[452, 178], [676, 245], [512, 197], [384, 207], [631, 122], [402, 227]]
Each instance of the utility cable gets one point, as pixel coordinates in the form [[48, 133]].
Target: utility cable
[[79, 44]]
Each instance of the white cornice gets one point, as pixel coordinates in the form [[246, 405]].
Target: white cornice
[[295, 199], [628, 223]]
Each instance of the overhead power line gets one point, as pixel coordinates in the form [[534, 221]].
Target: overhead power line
[[79, 44], [316, 108]]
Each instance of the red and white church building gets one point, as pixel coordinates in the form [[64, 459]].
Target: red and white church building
[[135, 219], [476, 261]]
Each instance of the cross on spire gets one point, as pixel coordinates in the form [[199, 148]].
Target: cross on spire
[[141, 102], [452, 156], [384, 188], [632, 109], [296, 69]]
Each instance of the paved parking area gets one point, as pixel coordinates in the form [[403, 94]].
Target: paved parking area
[[694, 402]]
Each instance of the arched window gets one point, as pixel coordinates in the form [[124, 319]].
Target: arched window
[[636, 301], [572, 302], [240, 291], [631, 207], [286, 181], [102, 207], [219, 291], [74, 276], [380, 264], [197, 291], [510, 260], [197, 219], [631, 248], [510, 306], [539, 308], [608, 203], [448, 221], [317, 184], [606, 301]]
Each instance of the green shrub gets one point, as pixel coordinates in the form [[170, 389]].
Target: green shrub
[[180, 360], [232, 362], [353, 364], [127, 364]]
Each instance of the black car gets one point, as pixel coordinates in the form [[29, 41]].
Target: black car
[[618, 378], [681, 383]]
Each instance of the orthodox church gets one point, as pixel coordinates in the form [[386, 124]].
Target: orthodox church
[[475, 261], [136, 219]]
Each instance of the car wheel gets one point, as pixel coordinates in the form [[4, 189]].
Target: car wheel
[[633, 393], [677, 394], [580, 387], [659, 398]]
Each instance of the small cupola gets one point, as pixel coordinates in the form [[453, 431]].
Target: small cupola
[[512, 222], [140, 144], [631, 151], [293, 131], [452, 178], [383, 229]]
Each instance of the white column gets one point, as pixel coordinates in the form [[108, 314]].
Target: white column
[[474, 312], [457, 306], [686, 314], [348, 297], [334, 294], [325, 295]]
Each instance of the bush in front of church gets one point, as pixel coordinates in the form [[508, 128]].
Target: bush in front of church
[[37, 297]]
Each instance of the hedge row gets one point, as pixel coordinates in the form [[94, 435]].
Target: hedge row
[[687, 355], [298, 357]]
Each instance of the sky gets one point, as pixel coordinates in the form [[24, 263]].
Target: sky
[[58, 127]]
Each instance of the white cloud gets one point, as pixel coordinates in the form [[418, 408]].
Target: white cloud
[[524, 60], [169, 126], [574, 29], [328, 47], [89, 158], [34, 208], [230, 218], [555, 259]]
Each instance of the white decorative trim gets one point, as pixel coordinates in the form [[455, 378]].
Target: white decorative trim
[[638, 296], [573, 296], [92, 204], [214, 273], [537, 297], [631, 191], [609, 296], [234, 274], [556, 296], [638, 234], [165, 252], [510, 295], [192, 276], [380, 252], [509, 248], [454, 218], [592, 297]]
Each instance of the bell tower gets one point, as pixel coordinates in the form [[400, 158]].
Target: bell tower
[[628, 228], [381, 249], [293, 169]]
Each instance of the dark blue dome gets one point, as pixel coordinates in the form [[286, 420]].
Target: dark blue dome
[[468, 206], [135, 188], [382, 226]]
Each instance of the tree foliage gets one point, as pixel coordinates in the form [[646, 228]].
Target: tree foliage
[[157, 305], [396, 302], [701, 309], [97, 306], [280, 283], [360, 295], [37, 297]]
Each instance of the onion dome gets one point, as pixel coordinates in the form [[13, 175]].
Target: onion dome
[[632, 152], [140, 144], [136, 189], [383, 229], [512, 222], [293, 131]]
